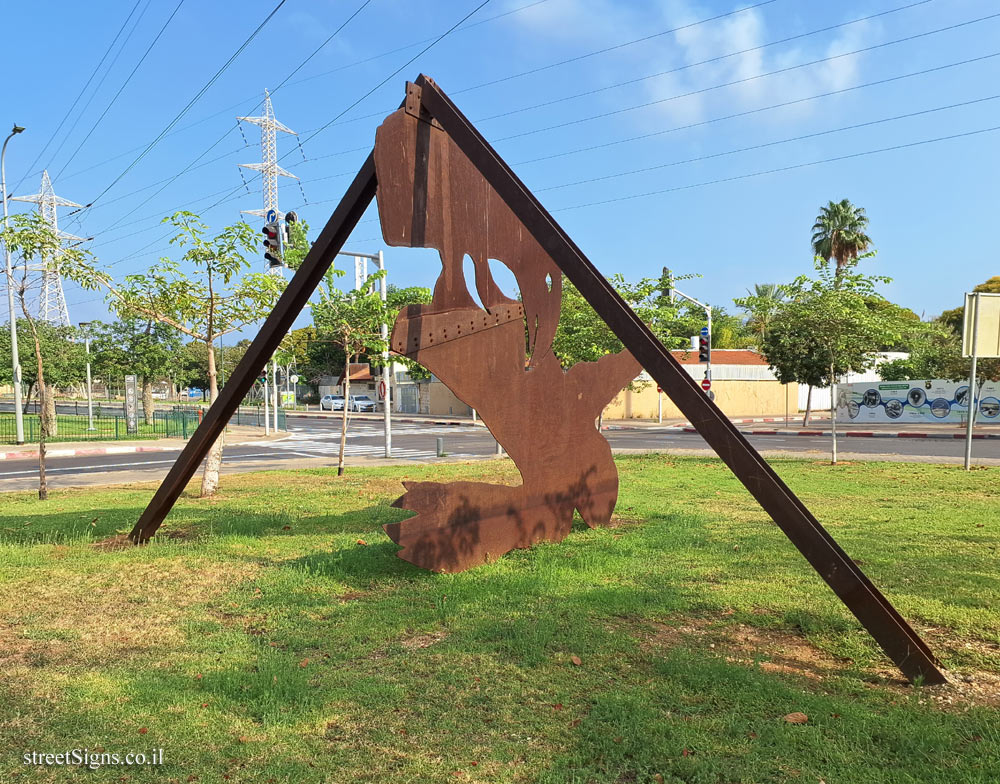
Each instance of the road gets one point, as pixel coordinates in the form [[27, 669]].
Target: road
[[316, 443]]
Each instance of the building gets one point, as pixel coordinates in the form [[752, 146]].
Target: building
[[743, 384]]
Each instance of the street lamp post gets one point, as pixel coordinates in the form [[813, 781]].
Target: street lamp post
[[90, 393], [15, 360]]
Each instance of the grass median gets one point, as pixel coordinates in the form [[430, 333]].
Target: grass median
[[271, 635]]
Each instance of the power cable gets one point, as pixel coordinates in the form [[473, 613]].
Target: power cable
[[758, 110], [721, 57], [123, 86], [218, 141], [744, 80], [764, 145], [379, 85], [190, 103], [587, 55], [780, 169], [243, 102], [79, 96]]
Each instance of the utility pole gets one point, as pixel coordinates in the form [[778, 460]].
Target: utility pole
[[90, 395], [14, 358], [360, 277]]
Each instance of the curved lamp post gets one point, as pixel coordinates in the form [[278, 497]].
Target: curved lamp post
[[15, 360]]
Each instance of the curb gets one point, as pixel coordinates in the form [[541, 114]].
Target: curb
[[378, 418], [111, 450], [853, 434], [118, 450]]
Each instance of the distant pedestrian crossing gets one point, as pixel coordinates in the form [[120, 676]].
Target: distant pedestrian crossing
[[365, 440]]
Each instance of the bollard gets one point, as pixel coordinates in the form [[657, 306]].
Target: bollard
[[440, 447], [499, 450]]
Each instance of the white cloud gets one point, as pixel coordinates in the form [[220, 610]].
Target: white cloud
[[591, 24]]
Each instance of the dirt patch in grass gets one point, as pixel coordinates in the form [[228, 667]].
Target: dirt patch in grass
[[423, 640], [80, 618], [785, 653]]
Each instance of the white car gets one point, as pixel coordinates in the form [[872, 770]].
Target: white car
[[332, 403], [362, 403]]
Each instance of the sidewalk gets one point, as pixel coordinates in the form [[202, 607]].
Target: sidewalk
[[949, 430], [236, 435]]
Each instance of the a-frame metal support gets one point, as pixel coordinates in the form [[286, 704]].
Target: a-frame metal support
[[861, 597]]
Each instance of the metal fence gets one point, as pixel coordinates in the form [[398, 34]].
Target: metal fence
[[113, 426]]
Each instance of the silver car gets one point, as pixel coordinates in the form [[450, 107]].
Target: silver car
[[332, 403], [362, 403]]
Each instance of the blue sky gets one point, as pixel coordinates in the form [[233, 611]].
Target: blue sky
[[931, 206]]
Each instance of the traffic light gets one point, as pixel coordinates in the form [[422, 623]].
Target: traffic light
[[290, 218], [705, 348], [272, 244]]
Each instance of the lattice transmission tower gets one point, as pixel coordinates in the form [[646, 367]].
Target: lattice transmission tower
[[52, 300], [268, 167]]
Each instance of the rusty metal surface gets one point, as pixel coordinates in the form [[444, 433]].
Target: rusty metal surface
[[496, 358], [900, 642], [343, 220]]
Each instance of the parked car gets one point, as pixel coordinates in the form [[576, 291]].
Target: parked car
[[362, 403], [332, 403]]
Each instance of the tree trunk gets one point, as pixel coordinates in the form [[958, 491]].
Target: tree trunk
[[833, 413], [809, 403], [210, 481], [343, 427], [48, 395], [147, 399], [43, 431]]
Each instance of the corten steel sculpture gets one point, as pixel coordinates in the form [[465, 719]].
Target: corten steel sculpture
[[441, 185]]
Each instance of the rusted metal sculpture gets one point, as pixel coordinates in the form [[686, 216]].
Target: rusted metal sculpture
[[497, 359], [441, 185]]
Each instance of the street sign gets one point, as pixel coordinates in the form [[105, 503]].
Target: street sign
[[131, 399], [271, 216], [659, 391], [704, 332], [381, 390], [706, 384], [294, 379]]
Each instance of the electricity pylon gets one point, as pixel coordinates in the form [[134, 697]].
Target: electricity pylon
[[52, 301], [268, 167]]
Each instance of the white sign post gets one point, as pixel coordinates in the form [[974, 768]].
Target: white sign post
[[980, 338]]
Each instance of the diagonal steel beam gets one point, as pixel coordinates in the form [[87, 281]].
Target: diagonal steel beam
[[329, 243], [855, 590]]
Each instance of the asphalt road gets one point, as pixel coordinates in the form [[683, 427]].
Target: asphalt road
[[316, 444]]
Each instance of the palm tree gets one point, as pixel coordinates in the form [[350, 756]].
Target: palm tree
[[762, 305], [839, 233]]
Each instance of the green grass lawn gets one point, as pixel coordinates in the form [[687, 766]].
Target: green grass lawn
[[75, 428], [271, 635]]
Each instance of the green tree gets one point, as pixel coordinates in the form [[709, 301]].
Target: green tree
[[217, 295], [353, 320], [839, 233], [63, 357], [31, 237], [831, 325], [955, 318], [140, 346], [760, 306]]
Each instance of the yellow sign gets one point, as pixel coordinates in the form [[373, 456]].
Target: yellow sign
[[984, 308]]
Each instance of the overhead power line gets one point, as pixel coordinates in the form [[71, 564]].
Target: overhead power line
[[727, 55], [765, 145], [792, 167], [238, 105], [218, 141], [232, 194], [744, 80], [190, 103], [373, 89], [123, 86], [748, 112], [83, 89]]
